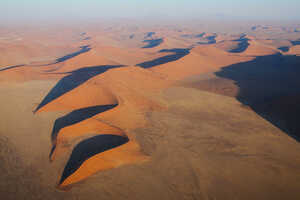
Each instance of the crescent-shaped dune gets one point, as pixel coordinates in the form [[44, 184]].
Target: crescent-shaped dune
[[127, 153], [116, 86]]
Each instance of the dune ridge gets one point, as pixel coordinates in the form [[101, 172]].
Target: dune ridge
[[118, 86]]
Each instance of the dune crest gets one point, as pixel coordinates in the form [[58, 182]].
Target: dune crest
[[132, 101]]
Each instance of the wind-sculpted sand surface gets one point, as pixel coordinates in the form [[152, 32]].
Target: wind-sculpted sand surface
[[145, 113]]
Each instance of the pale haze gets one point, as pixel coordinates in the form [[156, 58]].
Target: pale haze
[[15, 10]]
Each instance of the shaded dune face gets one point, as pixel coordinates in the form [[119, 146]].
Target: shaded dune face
[[153, 43], [234, 46], [191, 36], [208, 39], [11, 67], [295, 42], [89, 148], [81, 165], [178, 54], [70, 134], [284, 48], [107, 95], [149, 34], [77, 116], [73, 80], [263, 82], [269, 85], [96, 118], [83, 49], [290, 45], [242, 45], [79, 124], [232, 43], [201, 59], [82, 123]]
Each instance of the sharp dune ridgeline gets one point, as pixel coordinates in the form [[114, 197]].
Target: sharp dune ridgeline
[[150, 113]]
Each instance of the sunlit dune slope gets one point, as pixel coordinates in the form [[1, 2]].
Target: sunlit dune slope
[[268, 84], [227, 45], [202, 59], [29, 72], [130, 56], [258, 49], [128, 153], [294, 50], [115, 86], [88, 59], [36, 45], [133, 89]]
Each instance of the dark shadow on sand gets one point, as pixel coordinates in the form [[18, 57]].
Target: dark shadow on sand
[[77, 116], [83, 49], [242, 45], [209, 40], [191, 36], [200, 35], [295, 42], [131, 36], [253, 28], [87, 38], [73, 80], [88, 148], [178, 53], [153, 43], [10, 67], [149, 35], [284, 48], [270, 85]]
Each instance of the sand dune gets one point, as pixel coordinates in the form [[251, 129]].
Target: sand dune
[[179, 113], [202, 59], [257, 49], [259, 83], [130, 100], [295, 50], [89, 59]]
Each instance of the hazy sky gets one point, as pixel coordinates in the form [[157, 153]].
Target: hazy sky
[[76, 9]]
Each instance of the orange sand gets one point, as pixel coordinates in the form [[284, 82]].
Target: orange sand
[[134, 89]]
